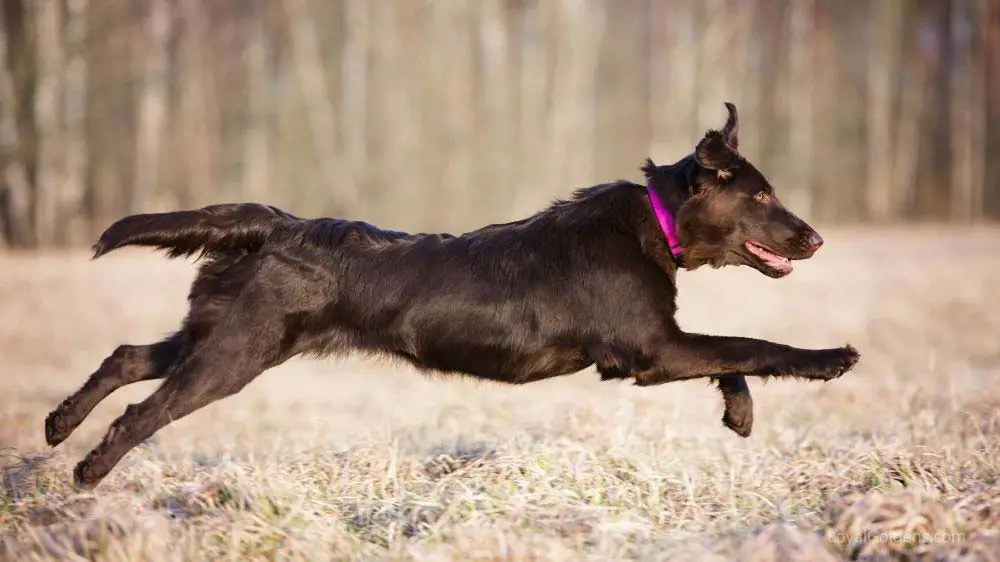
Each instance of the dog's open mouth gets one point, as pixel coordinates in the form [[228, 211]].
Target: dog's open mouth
[[778, 263]]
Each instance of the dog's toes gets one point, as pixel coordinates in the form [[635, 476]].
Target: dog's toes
[[742, 425], [83, 477], [849, 359], [738, 415], [56, 430], [835, 362]]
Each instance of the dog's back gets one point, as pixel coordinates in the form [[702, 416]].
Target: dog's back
[[500, 301]]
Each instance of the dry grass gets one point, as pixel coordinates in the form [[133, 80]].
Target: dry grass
[[318, 460]]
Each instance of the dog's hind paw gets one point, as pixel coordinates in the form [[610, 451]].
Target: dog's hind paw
[[84, 477], [56, 428]]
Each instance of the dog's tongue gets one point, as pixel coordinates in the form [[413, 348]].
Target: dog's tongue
[[779, 263]]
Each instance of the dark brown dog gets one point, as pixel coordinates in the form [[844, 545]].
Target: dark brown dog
[[590, 280]]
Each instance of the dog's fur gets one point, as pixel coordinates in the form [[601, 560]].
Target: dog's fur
[[589, 280]]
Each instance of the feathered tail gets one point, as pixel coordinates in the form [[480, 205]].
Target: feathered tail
[[216, 229]]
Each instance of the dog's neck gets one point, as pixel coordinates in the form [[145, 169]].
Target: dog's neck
[[668, 225], [667, 188]]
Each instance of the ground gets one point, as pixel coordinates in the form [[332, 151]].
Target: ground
[[353, 459]]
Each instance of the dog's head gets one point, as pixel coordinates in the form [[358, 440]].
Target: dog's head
[[726, 211]]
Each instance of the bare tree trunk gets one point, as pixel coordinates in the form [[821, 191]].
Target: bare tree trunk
[[354, 80], [256, 141], [51, 175], [801, 106], [535, 82], [676, 96], [826, 200], [716, 55], [111, 114], [978, 108], [746, 70], [932, 197], [622, 93], [454, 90], [960, 206], [75, 115], [152, 107], [393, 130], [662, 61], [198, 114], [580, 30], [991, 47], [15, 184], [906, 159], [497, 87], [882, 70], [967, 113], [774, 82], [311, 76]]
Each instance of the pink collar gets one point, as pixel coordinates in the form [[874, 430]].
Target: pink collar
[[666, 220]]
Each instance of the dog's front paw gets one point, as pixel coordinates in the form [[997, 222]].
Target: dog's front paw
[[839, 361], [739, 417]]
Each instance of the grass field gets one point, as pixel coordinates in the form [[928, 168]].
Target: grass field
[[351, 459]]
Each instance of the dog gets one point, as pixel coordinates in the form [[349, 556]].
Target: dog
[[588, 281]]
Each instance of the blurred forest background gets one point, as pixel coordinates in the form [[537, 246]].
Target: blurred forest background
[[447, 114]]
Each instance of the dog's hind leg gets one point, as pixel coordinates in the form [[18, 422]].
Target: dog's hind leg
[[128, 364], [738, 415], [204, 377], [247, 340]]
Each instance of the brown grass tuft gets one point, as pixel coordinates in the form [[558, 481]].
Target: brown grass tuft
[[783, 543], [902, 522]]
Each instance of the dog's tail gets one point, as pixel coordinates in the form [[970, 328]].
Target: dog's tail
[[216, 229]]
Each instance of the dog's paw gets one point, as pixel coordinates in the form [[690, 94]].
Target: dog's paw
[[842, 360], [56, 428], [850, 359], [84, 477], [740, 421], [738, 415]]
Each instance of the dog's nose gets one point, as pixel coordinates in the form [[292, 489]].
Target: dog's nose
[[815, 241]]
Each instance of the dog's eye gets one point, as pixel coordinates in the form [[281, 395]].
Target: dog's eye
[[762, 197]]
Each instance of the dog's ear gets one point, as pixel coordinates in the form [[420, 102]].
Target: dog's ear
[[718, 150], [649, 170], [714, 153], [731, 132]]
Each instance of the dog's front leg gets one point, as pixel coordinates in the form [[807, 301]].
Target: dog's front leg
[[688, 356], [738, 415]]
